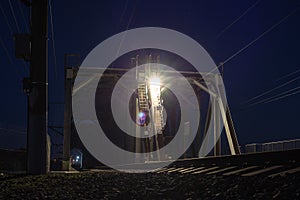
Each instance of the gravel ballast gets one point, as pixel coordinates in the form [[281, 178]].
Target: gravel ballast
[[116, 185]]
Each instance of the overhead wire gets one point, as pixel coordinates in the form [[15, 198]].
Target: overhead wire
[[23, 16], [132, 15], [278, 96], [6, 19], [271, 90], [284, 96], [237, 19], [257, 38], [127, 27], [10, 59], [274, 97], [14, 130], [53, 41], [123, 12], [12, 33], [260, 36], [277, 87], [288, 75], [14, 16], [54, 111]]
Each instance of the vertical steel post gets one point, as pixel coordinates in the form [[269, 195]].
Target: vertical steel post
[[217, 121], [137, 130], [67, 115], [137, 134]]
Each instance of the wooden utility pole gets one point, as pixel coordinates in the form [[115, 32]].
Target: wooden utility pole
[[38, 148]]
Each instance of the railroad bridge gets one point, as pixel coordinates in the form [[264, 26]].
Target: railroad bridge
[[156, 110]]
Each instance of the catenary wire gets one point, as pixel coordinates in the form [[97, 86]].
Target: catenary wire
[[288, 75], [6, 19], [12, 33], [271, 90], [14, 16], [10, 59], [237, 19], [127, 27], [282, 97], [53, 41], [23, 16], [256, 39], [269, 99]]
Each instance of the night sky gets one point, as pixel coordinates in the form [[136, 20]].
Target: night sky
[[221, 27]]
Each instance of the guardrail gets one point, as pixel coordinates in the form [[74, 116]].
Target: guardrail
[[273, 146]]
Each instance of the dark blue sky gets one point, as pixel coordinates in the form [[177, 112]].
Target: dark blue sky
[[80, 25]]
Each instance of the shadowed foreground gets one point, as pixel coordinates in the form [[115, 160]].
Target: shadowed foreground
[[115, 185]]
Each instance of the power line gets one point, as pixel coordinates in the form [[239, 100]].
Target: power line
[[6, 19], [132, 14], [10, 60], [263, 34], [13, 13], [23, 16], [124, 11], [53, 42], [12, 33], [55, 131], [237, 19], [288, 75], [256, 39], [284, 96], [271, 90], [14, 130], [127, 27], [275, 97]]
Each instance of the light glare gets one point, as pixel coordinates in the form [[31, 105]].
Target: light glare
[[154, 81]]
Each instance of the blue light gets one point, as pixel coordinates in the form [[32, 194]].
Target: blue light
[[141, 114], [141, 118]]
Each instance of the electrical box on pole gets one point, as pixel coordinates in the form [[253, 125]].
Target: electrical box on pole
[[22, 46]]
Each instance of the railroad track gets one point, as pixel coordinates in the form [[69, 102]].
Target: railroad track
[[269, 164], [246, 171]]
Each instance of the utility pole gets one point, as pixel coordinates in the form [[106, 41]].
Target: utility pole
[[38, 146], [69, 75]]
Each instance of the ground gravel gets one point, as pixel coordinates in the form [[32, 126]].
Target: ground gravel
[[115, 185]]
